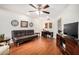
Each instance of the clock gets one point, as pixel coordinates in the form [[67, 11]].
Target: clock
[[14, 23]]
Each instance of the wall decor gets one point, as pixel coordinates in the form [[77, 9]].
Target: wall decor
[[14, 23], [24, 23], [50, 25], [46, 25], [31, 24]]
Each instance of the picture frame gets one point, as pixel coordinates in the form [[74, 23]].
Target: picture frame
[[24, 24], [14, 23], [46, 25], [50, 25]]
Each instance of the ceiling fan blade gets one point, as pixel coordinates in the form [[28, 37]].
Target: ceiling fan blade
[[46, 12], [46, 6], [32, 6]]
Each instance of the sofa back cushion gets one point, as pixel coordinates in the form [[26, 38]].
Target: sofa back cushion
[[19, 33], [29, 32]]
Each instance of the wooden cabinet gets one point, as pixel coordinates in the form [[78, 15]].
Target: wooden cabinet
[[67, 45], [46, 33]]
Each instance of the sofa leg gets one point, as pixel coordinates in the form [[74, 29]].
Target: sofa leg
[[18, 44]]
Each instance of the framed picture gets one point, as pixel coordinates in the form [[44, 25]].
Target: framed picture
[[24, 23], [14, 23], [46, 25], [50, 25]]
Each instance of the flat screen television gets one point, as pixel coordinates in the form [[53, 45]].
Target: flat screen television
[[71, 29]]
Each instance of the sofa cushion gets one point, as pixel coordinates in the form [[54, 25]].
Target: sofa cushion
[[19, 33], [23, 37]]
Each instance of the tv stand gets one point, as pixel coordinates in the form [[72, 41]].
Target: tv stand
[[67, 45], [45, 33]]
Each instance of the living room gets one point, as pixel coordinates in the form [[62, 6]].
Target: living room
[[20, 18]]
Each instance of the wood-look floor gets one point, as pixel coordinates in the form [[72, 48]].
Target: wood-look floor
[[39, 46]]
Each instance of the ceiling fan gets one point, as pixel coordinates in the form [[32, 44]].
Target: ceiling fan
[[40, 8]]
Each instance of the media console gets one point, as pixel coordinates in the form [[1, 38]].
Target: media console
[[47, 33], [67, 45]]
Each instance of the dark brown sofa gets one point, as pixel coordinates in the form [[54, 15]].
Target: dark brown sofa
[[20, 36]]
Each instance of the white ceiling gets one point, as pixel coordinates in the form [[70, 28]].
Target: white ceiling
[[54, 9]]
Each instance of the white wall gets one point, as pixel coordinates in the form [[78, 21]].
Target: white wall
[[71, 14], [6, 17], [39, 24], [5, 22]]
